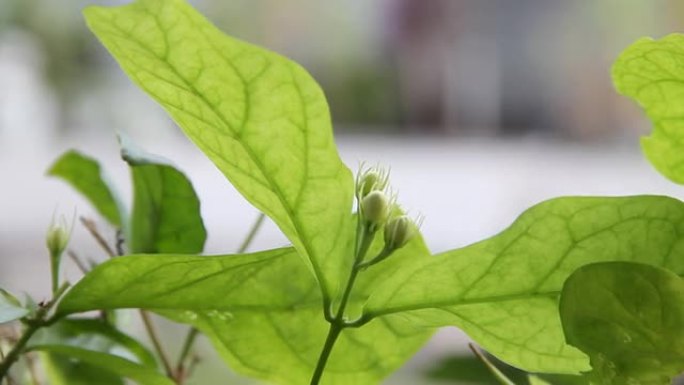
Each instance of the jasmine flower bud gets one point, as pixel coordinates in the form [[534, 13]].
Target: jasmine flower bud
[[399, 231], [375, 208], [373, 179], [57, 238]]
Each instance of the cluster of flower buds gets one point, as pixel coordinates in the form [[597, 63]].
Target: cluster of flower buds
[[378, 208]]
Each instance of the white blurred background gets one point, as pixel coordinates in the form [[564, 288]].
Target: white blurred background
[[482, 108]]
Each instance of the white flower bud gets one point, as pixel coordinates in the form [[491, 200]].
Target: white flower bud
[[374, 179], [375, 208], [399, 231], [57, 238]]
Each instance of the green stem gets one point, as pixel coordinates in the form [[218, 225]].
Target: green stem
[[34, 324], [337, 324], [333, 333], [252, 232], [54, 272]]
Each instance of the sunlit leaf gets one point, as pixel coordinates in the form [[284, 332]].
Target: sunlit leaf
[[258, 116], [504, 291], [261, 311], [652, 73]]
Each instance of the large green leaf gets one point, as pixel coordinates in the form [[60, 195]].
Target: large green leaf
[[85, 175], [166, 214], [92, 336], [652, 73], [629, 319], [258, 116], [504, 291], [261, 311]]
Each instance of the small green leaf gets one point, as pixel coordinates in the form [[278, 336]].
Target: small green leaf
[[92, 336], [166, 214], [261, 311], [629, 319], [258, 116], [10, 308], [62, 370], [85, 175], [141, 374], [652, 73], [504, 291]]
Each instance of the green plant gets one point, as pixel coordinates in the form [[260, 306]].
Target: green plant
[[357, 293]]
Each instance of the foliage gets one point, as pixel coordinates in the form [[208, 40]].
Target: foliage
[[357, 293]]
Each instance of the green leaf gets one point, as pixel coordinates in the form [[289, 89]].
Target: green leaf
[[63, 370], [629, 319], [92, 336], [10, 308], [258, 116], [166, 214], [141, 374], [261, 311], [652, 73], [85, 175], [504, 291]]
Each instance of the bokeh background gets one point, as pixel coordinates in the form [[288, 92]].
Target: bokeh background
[[481, 108]]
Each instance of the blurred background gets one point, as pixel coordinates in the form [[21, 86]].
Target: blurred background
[[481, 107]]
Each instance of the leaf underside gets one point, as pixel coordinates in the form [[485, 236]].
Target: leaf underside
[[258, 116], [261, 311]]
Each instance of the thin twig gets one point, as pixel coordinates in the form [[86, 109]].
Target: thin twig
[[152, 333], [80, 264], [252, 233], [89, 224]]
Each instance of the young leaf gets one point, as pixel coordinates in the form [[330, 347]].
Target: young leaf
[[629, 319], [652, 73], [85, 175], [504, 291], [141, 374], [258, 116], [93, 336], [61, 370], [261, 311], [10, 308], [166, 214]]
